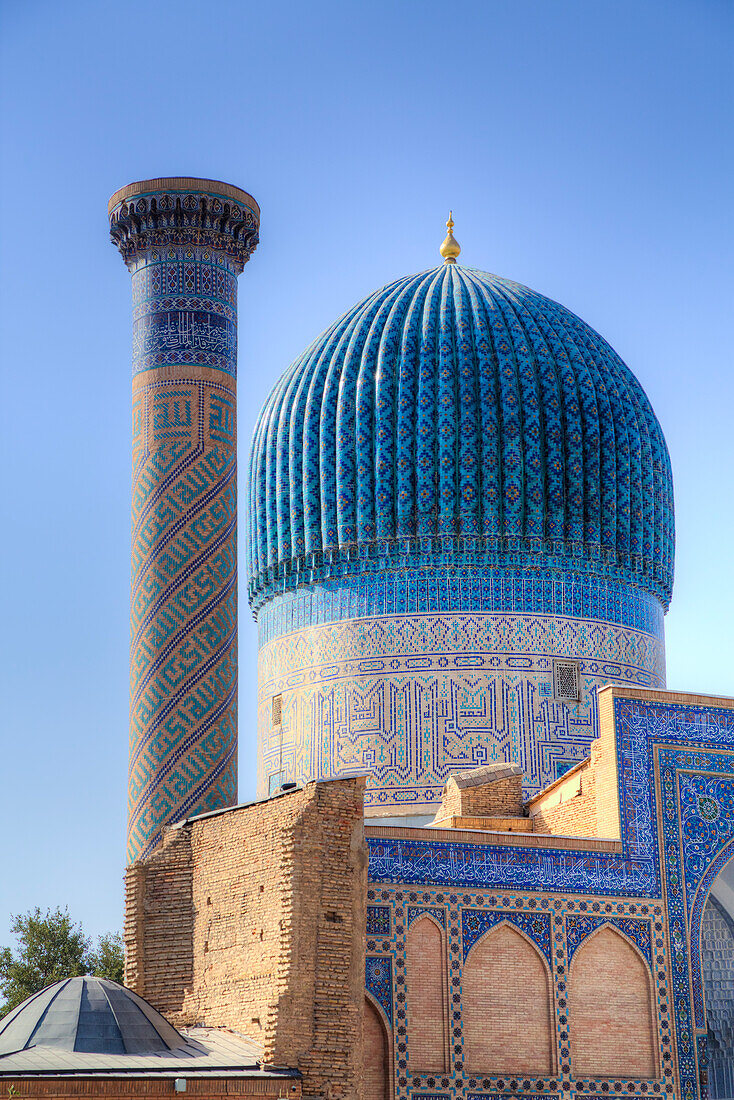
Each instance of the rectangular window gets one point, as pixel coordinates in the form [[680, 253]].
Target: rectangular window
[[566, 681], [277, 709]]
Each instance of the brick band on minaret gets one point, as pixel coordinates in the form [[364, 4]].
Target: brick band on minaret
[[184, 241]]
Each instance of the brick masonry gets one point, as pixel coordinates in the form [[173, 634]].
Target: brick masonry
[[507, 1006], [557, 959], [610, 1009], [492, 791], [254, 919]]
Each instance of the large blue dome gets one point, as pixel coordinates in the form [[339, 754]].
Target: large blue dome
[[459, 415]]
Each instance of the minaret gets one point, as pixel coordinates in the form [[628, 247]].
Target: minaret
[[184, 241]]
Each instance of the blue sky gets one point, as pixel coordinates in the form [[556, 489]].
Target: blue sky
[[585, 148]]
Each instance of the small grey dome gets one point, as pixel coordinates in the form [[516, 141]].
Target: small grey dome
[[88, 1014]]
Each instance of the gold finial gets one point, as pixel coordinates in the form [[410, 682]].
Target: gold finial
[[450, 248]]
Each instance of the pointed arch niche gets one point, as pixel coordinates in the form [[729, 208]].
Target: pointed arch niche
[[717, 974], [611, 1013], [427, 996], [377, 1054], [506, 1003]]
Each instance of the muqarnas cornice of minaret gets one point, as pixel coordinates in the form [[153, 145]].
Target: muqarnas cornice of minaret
[[184, 211]]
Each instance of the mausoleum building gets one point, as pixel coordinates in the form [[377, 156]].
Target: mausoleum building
[[489, 855]]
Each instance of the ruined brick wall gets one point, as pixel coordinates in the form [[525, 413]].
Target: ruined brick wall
[[159, 927], [254, 919]]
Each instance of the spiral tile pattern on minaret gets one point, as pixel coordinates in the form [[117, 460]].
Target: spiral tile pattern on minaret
[[184, 241]]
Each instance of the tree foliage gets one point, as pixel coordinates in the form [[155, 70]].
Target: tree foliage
[[107, 960], [49, 948]]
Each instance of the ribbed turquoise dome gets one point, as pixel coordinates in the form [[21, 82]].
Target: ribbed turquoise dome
[[459, 414]]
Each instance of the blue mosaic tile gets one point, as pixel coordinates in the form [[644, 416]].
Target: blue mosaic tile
[[458, 408], [579, 928], [378, 981], [415, 911], [475, 922], [184, 242], [378, 920]]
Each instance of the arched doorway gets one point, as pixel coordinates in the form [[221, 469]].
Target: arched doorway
[[717, 971]]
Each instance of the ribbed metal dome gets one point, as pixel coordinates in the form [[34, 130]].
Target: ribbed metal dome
[[91, 1015], [457, 404]]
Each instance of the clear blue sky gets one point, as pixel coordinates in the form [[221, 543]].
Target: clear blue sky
[[586, 150]]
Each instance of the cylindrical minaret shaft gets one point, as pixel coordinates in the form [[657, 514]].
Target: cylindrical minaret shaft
[[184, 241]]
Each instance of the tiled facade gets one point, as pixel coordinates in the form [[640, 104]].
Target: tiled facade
[[456, 486], [496, 964], [675, 763], [466, 678], [184, 242], [717, 962]]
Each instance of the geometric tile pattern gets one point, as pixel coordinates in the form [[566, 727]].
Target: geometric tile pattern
[[543, 918], [468, 591], [416, 911], [378, 974], [185, 311], [183, 644], [456, 412], [475, 922], [457, 482], [675, 764], [378, 920], [184, 242], [411, 698], [579, 928]]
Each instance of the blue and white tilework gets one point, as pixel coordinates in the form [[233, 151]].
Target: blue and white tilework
[[458, 407], [675, 763], [184, 242], [476, 922], [456, 483], [378, 981], [184, 309], [462, 679]]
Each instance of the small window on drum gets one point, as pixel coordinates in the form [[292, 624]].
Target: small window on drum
[[277, 709], [566, 681]]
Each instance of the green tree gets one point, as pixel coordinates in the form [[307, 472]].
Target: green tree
[[50, 947], [108, 958]]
